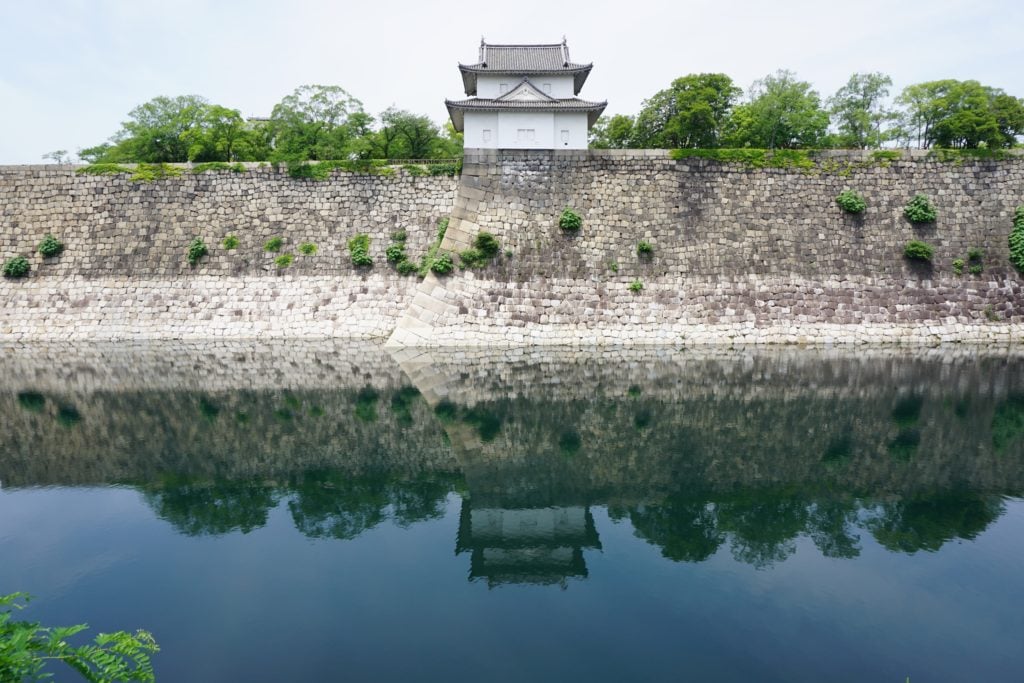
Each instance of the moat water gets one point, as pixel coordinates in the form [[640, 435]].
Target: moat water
[[318, 511]]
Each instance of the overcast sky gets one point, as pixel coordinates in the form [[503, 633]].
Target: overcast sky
[[70, 70]]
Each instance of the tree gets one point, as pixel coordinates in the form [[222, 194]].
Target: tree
[[26, 648], [960, 114], [313, 124], [404, 135], [59, 156], [690, 113], [221, 134], [782, 112], [154, 131], [859, 112], [612, 133], [451, 144]]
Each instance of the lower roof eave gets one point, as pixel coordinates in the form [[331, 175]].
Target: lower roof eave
[[456, 110]]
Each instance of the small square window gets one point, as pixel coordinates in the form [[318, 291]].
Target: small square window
[[487, 134], [565, 137], [503, 88], [547, 88]]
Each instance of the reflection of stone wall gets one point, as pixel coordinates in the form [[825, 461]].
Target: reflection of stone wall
[[578, 429], [527, 429], [100, 414], [754, 255], [123, 273]]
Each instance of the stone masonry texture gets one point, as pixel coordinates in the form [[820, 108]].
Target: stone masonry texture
[[739, 254]]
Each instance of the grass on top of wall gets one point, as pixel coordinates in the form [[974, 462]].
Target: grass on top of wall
[[752, 158]]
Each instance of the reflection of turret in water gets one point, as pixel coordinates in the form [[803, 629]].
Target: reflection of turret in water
[[526, 545]]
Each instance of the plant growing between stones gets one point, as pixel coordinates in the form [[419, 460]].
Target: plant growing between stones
[[975, 261], [570, 220], [636, 286], [916, 250], [1017, 239], [196, 250], [958, 266], [851, 202], [644, 248], [442, 264], [16, 266], [230, 242], [613, 266], [307, 248], [284, 260], [273, 244], [485, 248], [359, 250], [50, 246], [920, 210]]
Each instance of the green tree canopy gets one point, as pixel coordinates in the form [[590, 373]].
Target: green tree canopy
[[782, 112], [690, 113], [614, 132], [178, 129], [317, 122], [404, 135], [859, 112], [960, 114]]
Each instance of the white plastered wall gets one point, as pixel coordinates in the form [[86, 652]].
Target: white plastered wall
[[480, 129], [489, 87], [570, 130]]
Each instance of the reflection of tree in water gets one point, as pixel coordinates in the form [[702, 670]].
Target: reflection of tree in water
[[927, 523], [685, 529], [831, 526], [762, 527], [332, 505], [212, 508], [323, 504]]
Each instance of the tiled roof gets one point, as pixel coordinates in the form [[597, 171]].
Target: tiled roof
[[456, 108], [523, 59]]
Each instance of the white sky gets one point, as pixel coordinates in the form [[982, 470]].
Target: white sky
[[70, 70]]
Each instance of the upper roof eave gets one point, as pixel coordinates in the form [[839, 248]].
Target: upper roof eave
[[578, 71]]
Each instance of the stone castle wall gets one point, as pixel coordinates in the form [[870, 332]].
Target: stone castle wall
[[739, 253], [124, 272]]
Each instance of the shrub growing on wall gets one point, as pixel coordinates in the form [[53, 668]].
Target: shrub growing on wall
[[196, 250], [570, 220], [16, 266], [50, 246], [359, 250], [308, 248], [644, 248], [916, 250], [1017, 240], [273, 244], [230, 242], [284, 260], [485, 247], [851, 202], [920, 210], [442, 264]]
